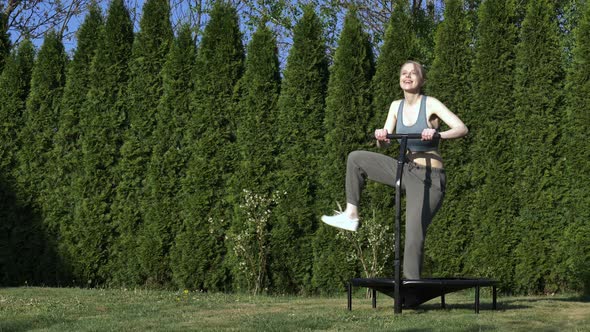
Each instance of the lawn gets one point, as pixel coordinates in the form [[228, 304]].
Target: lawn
[[73, 309]]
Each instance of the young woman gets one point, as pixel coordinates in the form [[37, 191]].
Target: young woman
[[424, 175]]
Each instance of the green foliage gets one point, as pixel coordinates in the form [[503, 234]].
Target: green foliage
[[161, 167], [391, 57], [573, 242], [16, 261], [148, 55], [4, 41], [248, 241], [448, 77], [378, 198], [101, 123], [253, 177], [36, 140], [424, 26], [200, 248], [66, 155], [299, 136], [538, 100], [493, 206], [40, 118], [348, 110], [14, 88], [372, 245], [162, 219]]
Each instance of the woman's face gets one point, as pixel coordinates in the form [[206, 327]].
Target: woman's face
[[410, 79]]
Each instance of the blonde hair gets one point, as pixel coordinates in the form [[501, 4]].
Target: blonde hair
[[419, 69]]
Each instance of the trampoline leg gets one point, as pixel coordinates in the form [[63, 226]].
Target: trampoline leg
[[442, 301], [374, 297], [494, 296], [477, 299], [349, 296]]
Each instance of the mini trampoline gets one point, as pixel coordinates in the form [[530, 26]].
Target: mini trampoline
[[415, 292], [411, 293]]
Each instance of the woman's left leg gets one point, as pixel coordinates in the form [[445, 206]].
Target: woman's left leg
[[424, 195]]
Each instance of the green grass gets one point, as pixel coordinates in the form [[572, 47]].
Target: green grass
[[72, 309]]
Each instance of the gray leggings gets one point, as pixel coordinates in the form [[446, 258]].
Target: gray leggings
[[424, 186]]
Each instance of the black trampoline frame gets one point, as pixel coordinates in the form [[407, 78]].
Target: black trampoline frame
[[416, 292]]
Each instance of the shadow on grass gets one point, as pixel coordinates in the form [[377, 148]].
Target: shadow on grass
[[570, 299], [33, 323], [477, 328], [501, 306], [483, 306]]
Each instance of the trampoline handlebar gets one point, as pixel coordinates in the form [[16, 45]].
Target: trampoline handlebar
[[409, 136]]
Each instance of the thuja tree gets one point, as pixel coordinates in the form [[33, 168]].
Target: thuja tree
[[348, 110], [493, 205], [448, 77], [15, 83], [424, 26], [299, 139], [574, 243], [569, 14], [150, 47], [4, 41], [252, 185], [36, 141], [66, 155], [101, 125], [378, 199], [40, 118], [399, 45], [166, 167], [537, 95], [14, 228], [200, 250]]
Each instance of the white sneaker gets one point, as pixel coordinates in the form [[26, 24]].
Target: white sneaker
[[341, 221]]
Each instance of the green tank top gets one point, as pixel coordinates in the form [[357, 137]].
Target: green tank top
[[416, 128]]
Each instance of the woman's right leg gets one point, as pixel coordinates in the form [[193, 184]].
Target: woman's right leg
[[361, 165]]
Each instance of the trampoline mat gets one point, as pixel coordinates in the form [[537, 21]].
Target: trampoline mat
[[415, 292]]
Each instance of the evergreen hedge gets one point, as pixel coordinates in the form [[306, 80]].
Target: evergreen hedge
[[149, 163], [299, 138], [15, 80], [101, 124], [448, 79], [150, 46], [200, 251], [346, 121]]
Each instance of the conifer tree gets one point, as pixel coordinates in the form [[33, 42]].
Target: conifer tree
[[15, 83], [471, 9], [200, 248], [400, 45], [40, 118], [493, 206], [348, 110], [150, 47], [101, 125], [168, 161], [14, 228], [448, 80], [4, 42], [299, 140], [574, 244], [65, 161], [538, 99], [253, 184], [424, 23], [36, 140]]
